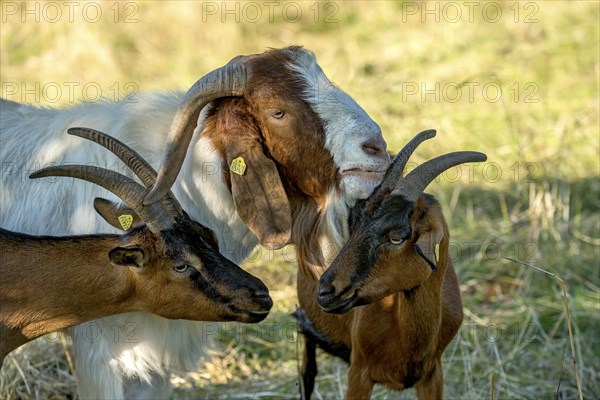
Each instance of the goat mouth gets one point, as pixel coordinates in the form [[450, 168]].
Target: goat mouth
[[256, 316], [343, 304], [245, 315], [364, 173]]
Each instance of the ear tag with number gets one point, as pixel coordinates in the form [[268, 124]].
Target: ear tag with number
[[125, 220], [437, 252], [238, 166]]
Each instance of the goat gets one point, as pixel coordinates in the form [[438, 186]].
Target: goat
[[310, 152], [396, 263], [174, 268]]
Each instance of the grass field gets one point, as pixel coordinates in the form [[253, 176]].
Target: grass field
[[516, 80]]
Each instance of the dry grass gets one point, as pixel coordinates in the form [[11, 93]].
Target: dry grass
[[536, 200]]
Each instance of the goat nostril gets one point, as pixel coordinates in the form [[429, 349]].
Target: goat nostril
[[262, 298], [325, 290], [261, 294], [374, 146]]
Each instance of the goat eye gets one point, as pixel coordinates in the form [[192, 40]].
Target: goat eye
[[180, 269], [395, 240], [278, 114]]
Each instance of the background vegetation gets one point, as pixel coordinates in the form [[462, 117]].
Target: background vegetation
[[516, 80]]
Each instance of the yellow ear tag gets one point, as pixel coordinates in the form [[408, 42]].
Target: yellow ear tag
[[238, 166], [437, 252], [125, 220]]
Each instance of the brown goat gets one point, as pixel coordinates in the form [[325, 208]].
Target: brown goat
[[168, 265], [396, 262]]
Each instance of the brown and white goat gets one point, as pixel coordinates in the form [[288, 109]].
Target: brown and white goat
[[396, 262], [166, 263]]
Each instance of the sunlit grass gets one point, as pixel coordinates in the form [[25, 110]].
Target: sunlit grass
[[536, 199]]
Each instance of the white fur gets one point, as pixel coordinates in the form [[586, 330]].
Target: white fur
[[62, 206], [32, 138], [347, 127]]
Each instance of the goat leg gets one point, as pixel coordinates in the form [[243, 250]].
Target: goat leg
[[360, 384], [308, 369]]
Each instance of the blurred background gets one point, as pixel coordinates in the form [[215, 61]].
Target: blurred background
[[517, 80]]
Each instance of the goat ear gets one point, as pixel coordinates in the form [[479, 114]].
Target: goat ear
[[258, 194], [428, 247], [131, 256], [430, 240], [118, 215]]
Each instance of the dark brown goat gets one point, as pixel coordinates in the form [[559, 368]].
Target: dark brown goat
[[396, 262], [166, 264]]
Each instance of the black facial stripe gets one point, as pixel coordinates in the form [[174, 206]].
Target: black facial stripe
[[394, 212], [187, 236], [207, 287], [367, 252]]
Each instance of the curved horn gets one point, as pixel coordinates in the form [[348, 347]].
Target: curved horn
[[413, 184], [140, 167], [229, 80], [394, 171], [128, 190], [133, 160]]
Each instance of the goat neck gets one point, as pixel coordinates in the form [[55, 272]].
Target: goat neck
[[31, 303]]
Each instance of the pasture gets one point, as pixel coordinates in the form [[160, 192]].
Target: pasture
[[518, 81]]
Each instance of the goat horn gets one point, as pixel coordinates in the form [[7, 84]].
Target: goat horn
[[394, 171], [128, 190], [396, 167], [413, 184], [133, 160], [229, 80], [140, 167]]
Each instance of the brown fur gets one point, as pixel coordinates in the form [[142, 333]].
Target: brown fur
[[51, 283], [294, 144], [398, 339]]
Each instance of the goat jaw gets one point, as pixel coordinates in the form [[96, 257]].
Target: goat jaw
[[358, 183]]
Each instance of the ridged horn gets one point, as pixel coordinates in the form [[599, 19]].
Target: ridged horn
[[229, 80], [396, 167], [394, 171], [140, 167], [413, 184], [132, 193]]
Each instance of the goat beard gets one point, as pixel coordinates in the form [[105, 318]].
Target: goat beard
[[320, 232], [358, 187]]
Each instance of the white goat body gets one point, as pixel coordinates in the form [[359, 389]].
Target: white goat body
[[32, 138]]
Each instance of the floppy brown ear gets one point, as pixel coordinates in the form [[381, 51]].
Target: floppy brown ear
[[258, 194], [256, 187], [118, 215]]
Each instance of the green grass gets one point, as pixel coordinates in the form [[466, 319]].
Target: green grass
[[542, 135]]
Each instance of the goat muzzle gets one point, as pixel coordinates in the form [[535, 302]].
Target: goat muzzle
[[254, 309], [331, 302]]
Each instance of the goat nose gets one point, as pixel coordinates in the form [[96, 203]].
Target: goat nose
[[262, 296], [375, 146], [325, 291]]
